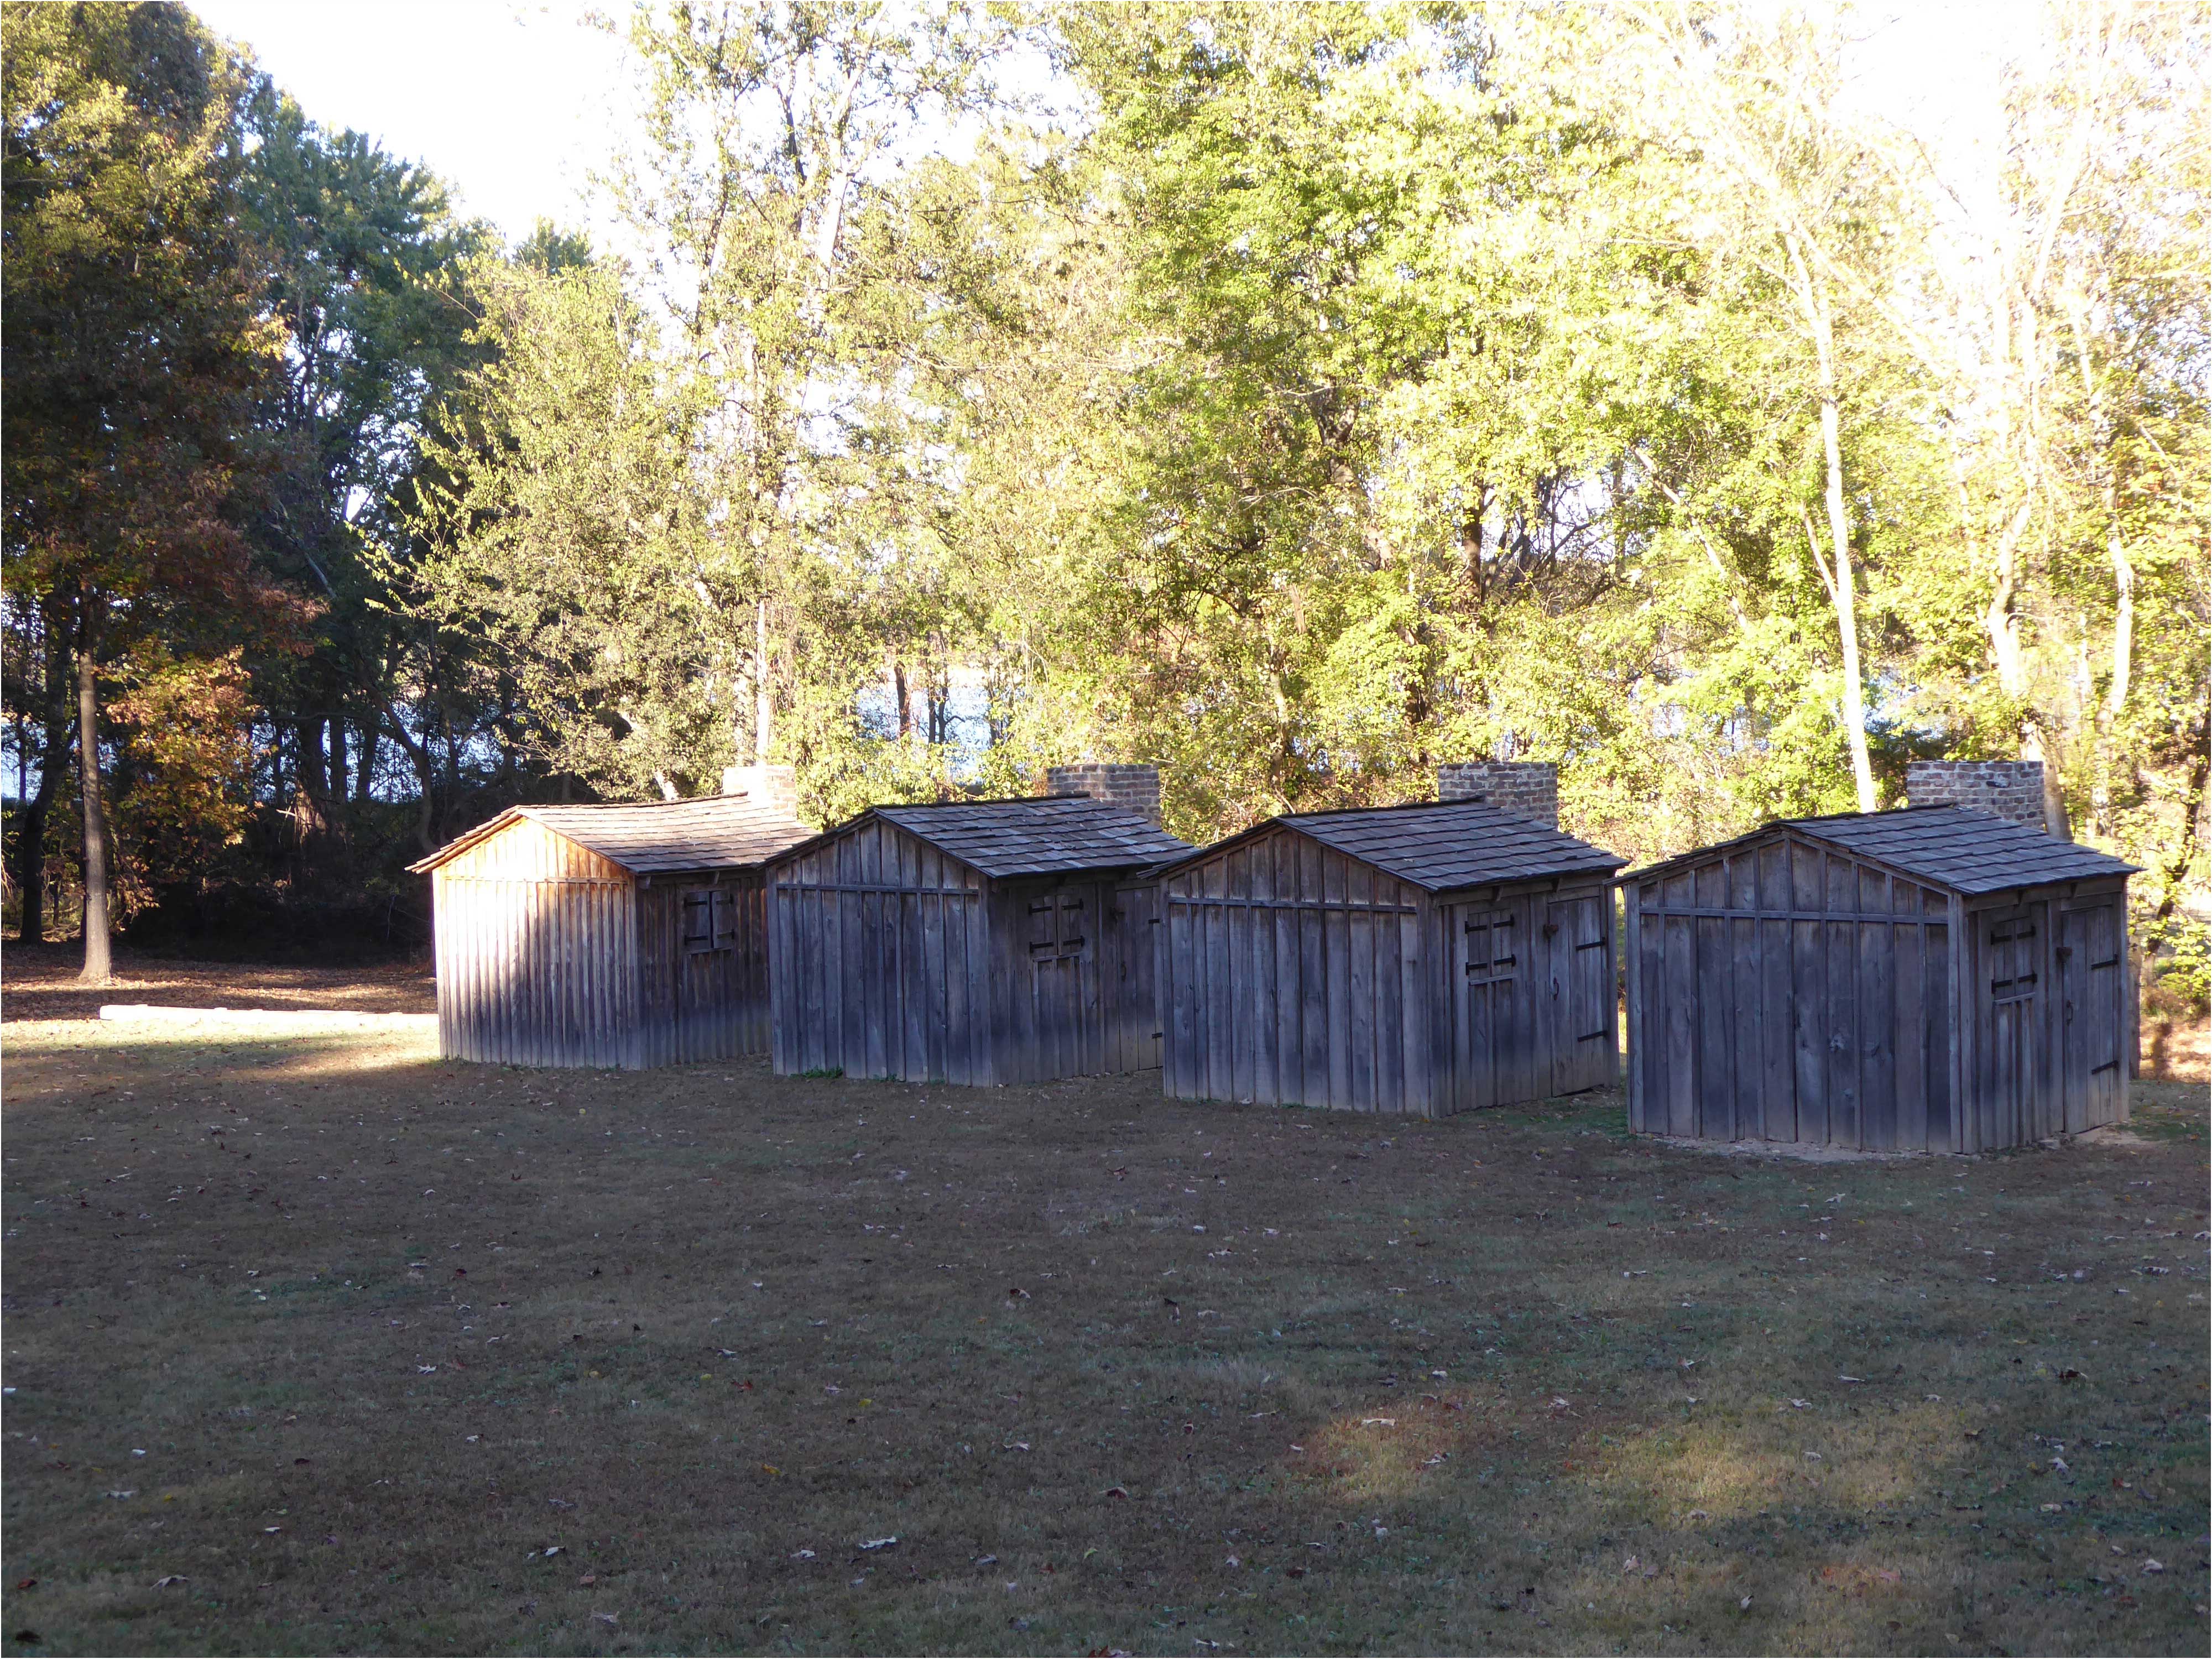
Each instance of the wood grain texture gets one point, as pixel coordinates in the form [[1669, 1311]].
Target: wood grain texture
[[1783, 987], [549, 954], [897, 960]]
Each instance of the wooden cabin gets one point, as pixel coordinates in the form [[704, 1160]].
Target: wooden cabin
[[975, 942], [1930, 979], [622, 936], [1426, 959]]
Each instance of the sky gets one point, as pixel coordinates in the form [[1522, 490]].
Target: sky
[[513, 103], [510, 104]]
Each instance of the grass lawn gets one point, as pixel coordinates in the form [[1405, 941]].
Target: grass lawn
[[320, 1345]]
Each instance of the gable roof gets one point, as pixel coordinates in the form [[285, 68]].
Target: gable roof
[[1441, 845], [713, 832], [1955, 847], [1030, 835]]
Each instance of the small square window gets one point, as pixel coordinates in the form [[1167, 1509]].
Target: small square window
[[1491, 956], [2012, 957], [710, 920]]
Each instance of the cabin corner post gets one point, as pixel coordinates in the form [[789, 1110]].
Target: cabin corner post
[[1632, 994]]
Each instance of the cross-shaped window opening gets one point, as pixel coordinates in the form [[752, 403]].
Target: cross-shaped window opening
[[1056, 928], [1491, 956], [2012, 959], [710, 920]]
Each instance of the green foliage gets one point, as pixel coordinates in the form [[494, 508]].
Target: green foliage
[[1341, 390]]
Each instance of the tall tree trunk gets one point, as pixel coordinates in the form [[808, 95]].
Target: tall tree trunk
[[763, 695], [2123, 613], [53, 759], [903, 709], [364, 770], [1815, 300], [98, 968]]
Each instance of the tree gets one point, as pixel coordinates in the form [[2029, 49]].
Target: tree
[[1790, 186], [365, 278], [133, 352], [756, 380]]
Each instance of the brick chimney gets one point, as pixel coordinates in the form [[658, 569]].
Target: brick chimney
[[1528, 789], [2007, 789], [1136, 787], [776, 787]]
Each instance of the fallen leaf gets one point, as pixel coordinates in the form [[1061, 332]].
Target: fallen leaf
[[1744, 1606], [1117, 1491], [2153, 1567], [878, 1543], [171, 1579], [589, 1578], [606, 1618]]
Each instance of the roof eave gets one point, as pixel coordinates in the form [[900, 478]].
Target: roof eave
[[468, 838]]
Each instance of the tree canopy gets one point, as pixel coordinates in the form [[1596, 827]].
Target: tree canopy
[[1297, 396]]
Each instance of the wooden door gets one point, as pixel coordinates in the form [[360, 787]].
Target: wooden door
[[2093, 1010], [1060, 946], [1579, 994], [2011, 1081], [1495, 1058], [1133, 1022]]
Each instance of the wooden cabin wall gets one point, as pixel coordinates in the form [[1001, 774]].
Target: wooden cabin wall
[[1293, 974], [1526, 999], [535, 952], [2046, 1042], [1784, 991], [706, 1004], [1073, 976], [879, 962], [1134, 1033], [1049, 1015]]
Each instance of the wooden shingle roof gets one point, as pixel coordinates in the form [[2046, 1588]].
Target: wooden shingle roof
[[1441, 845], [1955, 847], [715, 832], [1973, 852], [1031, 835]]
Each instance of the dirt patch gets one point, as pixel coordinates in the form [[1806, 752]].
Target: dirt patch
[[1793, 1152], [2178, 1051], [39, 983]]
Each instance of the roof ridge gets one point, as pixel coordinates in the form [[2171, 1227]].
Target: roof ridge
[[992, 801], [747, 799]]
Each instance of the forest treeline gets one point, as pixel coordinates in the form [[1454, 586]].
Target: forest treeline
[[1296, 396]]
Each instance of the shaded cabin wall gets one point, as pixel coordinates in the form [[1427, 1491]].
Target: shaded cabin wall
[[1293, 974], [879, 962], [700, 1005], [2051, 1026], [1074, 963], [1784, 991], [535, 952], [1525, 1003]]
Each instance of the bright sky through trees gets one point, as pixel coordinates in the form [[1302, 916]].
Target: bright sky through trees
[[514, 105]]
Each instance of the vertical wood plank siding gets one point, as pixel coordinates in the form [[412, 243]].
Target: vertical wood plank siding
[[888, 958], [1294, 974], [1782, 990], [548, 955]]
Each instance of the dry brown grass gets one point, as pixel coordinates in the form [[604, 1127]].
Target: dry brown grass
[[1116, 1372]]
